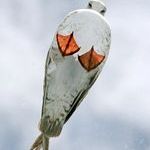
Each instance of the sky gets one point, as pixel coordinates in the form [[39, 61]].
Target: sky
[[115, 114]]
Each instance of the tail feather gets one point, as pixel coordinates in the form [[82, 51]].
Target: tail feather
[[42, 142], [45, 143]]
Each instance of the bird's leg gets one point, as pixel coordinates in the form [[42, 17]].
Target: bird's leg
[[45, 143]]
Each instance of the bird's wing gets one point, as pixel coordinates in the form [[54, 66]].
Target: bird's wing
[[78, 99], [48, 62]]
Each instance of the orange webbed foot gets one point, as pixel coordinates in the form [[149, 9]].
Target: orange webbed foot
[[67, 44], [91, 59]]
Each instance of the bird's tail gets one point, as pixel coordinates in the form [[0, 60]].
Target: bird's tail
[[42, 142]]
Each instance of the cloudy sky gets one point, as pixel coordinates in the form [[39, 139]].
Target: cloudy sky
[[116, 113]]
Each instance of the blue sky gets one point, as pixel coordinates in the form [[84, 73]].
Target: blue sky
[[114, 115]]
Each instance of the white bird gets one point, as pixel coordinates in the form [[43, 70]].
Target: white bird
[[75, 59]]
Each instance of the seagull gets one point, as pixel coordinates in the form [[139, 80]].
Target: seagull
[[74, 61]]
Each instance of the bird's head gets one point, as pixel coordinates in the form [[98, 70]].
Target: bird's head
[[97, 5]]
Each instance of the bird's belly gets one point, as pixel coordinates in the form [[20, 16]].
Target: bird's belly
[[63, 86]]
